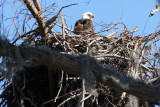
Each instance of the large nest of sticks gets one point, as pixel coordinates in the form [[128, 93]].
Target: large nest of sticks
[[37, 85], [120, 51]]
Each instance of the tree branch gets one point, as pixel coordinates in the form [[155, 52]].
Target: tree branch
[[37, 5], [75, 64], [34, 12], [37, 15]]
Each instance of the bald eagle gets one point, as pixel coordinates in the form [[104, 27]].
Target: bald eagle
[[85, 24]]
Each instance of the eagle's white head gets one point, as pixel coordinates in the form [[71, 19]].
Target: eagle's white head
[[87, 15]]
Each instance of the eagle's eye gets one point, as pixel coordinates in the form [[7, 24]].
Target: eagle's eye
[[89, 14]]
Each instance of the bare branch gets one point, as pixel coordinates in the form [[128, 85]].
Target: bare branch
[[113, 33], [38, 16], [37, 5], [56, 16], [35, 13]]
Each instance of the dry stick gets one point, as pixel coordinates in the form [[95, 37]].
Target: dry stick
[[155, 40], [131, 31], [86, 98], [24, 35], [60, 87], [66, 26], [63, 29], [150, 37], [110, 27], [113, 33], [83, 92], [134, 30], [55, 17], [146, 68], [125, 27], [112, 55], [16, 28], [70, 48], [113, 105], [67, 6], [74, 96], [74, 36], [107, 29], [24, 22], [60, 97]]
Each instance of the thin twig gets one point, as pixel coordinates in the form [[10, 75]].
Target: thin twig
[[86, 98], [73, 96], [113, 33], [61, 82], [16, 28], [66, 94], [83, 92]]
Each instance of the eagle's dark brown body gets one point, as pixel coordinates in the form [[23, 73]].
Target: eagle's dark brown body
[[84, 26]]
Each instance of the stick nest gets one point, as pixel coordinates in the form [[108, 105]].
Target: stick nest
[[125, 52]]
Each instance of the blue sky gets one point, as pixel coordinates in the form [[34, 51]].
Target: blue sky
[[134, 13]]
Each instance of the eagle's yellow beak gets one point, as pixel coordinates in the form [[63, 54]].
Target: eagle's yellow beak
[[92, 16]]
